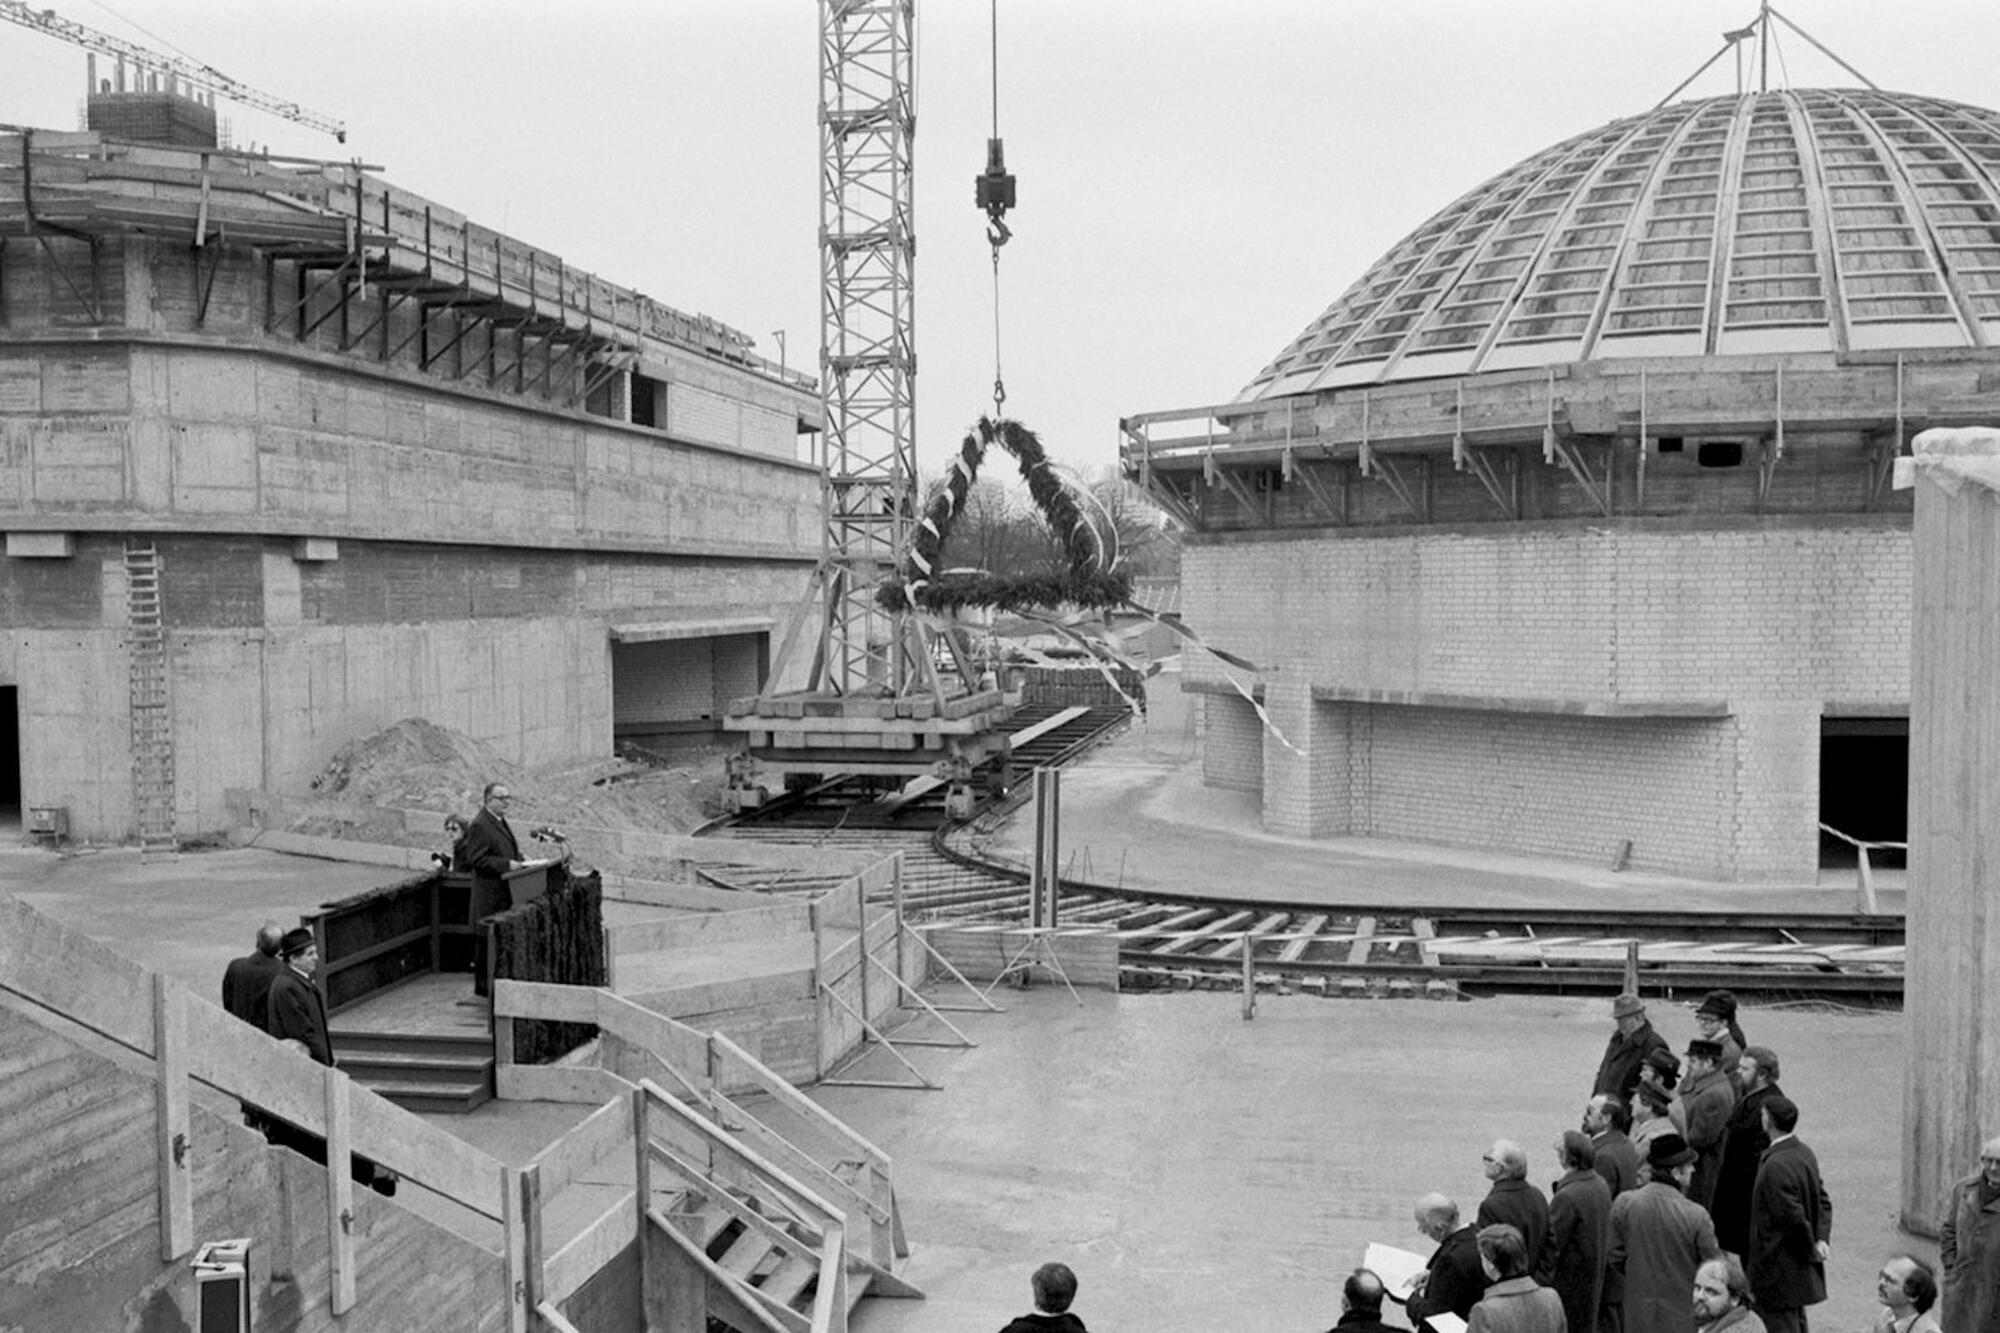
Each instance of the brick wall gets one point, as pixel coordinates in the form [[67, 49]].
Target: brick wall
[[1232, 752], [1642, 612]]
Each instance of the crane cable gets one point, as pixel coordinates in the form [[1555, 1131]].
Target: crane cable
[[994, 192]]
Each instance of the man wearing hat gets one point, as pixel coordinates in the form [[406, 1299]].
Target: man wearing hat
[[1618, 1072], [295, 1010], [1659, 1237], [1707, 1096], [1716, 1017]]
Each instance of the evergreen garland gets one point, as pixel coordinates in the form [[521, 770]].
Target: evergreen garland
[[1080, 580], [558, 937]]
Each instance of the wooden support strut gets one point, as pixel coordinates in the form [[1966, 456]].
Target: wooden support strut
[[1295, 470]]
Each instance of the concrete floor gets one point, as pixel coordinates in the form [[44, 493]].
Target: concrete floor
[[1198, 1171], [1201, 1172]]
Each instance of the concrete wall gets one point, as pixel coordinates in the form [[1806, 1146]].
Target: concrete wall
[[475, 538], [79, 1189], [1661, 683], [1951, 1005]]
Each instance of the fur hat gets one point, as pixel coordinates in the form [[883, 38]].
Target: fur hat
[[1626, 1005], [1718, 1004], [1668, 1151], [296, 941], [1701, 1048]]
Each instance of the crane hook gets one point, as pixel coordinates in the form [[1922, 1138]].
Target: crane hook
[[993, 190]]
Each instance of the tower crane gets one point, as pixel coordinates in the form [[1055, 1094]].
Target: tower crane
[[49, 23]]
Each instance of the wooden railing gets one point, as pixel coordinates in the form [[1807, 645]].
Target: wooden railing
[[792, 1218], [711, 1071], [190, 1040]]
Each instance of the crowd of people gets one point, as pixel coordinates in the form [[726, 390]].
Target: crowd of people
[[1687, 1201]]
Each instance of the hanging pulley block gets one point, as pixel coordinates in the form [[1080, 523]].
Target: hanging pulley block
[[993, 190]]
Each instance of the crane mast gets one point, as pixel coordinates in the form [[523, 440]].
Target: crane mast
[[51, 24], [877, 704], [867, 251]]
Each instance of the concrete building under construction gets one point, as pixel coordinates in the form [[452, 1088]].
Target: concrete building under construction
[[287, 454], [1566, 530]]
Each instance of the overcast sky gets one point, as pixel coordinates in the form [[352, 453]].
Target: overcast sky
[[1197, 181]]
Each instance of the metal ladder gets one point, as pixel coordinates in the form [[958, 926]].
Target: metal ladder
[[152, 715]]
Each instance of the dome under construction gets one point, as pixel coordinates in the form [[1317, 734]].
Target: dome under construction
[[1799, 221]]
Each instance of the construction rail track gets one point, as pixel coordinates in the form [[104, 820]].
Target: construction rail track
[[950, 875]]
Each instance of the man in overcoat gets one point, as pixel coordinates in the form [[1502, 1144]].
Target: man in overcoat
[[1969, 1248], [1659, 1237], [295, 1010], [1791, 1224], [1618, 1071], [1707, 1096], [1572, 1259], [1743, 1147], [1606, 1119], [1512, 1200], [246, 982], [1454, 1279]]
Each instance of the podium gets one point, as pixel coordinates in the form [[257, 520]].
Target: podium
[[525, 885]]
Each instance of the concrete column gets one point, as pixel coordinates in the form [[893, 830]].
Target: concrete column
[[1951, 1008], [1305, 781], [1777, 792]]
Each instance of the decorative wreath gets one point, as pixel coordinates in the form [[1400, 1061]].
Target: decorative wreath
[[1087, 577]]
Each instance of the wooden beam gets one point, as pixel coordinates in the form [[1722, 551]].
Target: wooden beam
[[1506, 495], [339, 1193], [170, 1071], [1560, 450], [513, 1238], [1385, 470]]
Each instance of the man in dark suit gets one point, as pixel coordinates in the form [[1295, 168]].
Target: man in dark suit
[[490, 852], [246, 982], [1791, 1223], [1454, 1279]]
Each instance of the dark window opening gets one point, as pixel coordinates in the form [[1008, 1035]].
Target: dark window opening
[[646, 395], [1719, 453], [1267, 480], [1669, 444], [10, 755], [1864, 789]]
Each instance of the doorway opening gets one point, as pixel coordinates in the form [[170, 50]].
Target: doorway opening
[[10, 758], [1864, 789]]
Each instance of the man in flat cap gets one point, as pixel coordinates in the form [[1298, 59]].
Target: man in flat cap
[[1618, 1072], [1659, 1237]]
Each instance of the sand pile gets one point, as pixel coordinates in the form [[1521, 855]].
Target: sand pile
[[417, 765]]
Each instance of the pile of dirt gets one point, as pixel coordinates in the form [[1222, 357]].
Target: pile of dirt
[[418, 765]]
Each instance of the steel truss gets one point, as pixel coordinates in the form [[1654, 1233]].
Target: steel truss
[[867, 120]]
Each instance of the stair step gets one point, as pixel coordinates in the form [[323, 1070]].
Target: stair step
[[358, 1045], [792, 1279], [748, 1252], [434, 1100], [416, 1065]]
